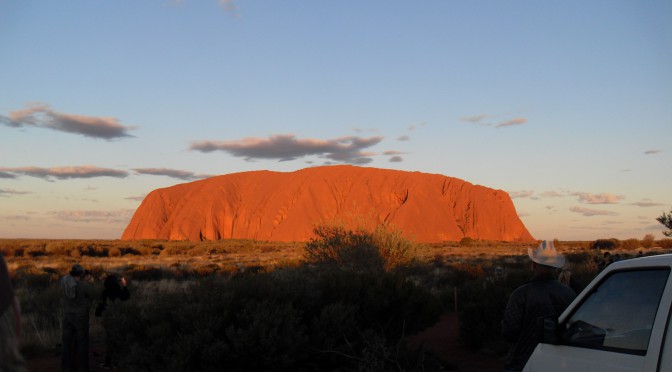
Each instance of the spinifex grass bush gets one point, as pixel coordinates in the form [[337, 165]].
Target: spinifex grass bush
[[382, 249], [289, 319], [340, 311]]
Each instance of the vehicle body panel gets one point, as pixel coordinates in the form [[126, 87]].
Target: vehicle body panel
[[658, 355]]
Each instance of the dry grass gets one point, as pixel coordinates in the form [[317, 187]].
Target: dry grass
[[230, 255]]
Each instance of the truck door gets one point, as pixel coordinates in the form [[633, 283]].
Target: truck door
[[616, 327], [666, 350]]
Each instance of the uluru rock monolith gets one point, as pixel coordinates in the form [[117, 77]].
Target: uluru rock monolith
[[286, 206]]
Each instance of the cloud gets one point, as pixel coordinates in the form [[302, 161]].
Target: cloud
[[118, 216], [396, 159], [230, 6], [552, 194], [174, 173], [512, 122], [604, 198], [62, 173], [480, 120], [592, 212], [7, 175], [520, 194], [404, 138], [476, 119], [393, 152], [136, 198], [415, 126], [14, 218], [646, 203], [5, 192], [652, 152], [42, 116], [285, 147]]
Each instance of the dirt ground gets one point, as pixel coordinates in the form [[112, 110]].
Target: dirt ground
[[442, 342], [439, 341]]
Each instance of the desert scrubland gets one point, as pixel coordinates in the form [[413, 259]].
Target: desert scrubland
[[346, 298]]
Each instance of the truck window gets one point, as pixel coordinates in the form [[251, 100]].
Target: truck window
[[618, 314]]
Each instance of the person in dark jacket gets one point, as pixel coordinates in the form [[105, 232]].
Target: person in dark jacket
[[76, 305], [10, 324], [529, 304]]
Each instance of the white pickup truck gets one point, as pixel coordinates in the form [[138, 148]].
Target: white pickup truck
[[620, 322]]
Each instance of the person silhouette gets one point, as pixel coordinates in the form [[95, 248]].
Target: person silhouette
[[75, 325]]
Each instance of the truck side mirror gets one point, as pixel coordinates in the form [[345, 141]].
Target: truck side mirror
[[551, 331]]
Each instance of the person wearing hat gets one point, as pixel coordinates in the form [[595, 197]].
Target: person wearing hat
[[529, 304], [76, 304], [10, 324]]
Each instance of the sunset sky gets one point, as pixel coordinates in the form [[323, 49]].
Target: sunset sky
[[566, 105]]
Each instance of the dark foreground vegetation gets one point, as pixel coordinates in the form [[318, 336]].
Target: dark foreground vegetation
[[347, 300]]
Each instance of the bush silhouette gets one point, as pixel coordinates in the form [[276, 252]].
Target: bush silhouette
[[286, 319]]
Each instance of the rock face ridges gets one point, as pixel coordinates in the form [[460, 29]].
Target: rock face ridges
[[276, 206]]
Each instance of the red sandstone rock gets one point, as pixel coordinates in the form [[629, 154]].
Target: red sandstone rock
[[274, 206]]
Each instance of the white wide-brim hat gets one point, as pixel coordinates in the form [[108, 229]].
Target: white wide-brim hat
[[545, 254]]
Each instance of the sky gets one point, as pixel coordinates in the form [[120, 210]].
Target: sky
[[565, 105]]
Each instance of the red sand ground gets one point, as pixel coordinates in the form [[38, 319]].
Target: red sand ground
[[440, 340]]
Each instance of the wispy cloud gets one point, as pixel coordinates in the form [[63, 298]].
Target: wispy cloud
[[552, 194], [42, 116], [481, 120], [393, 152], [7, 175], [9, 192], [174, 173], [647, 203], [230, 6], [285, 147], [62, 173], [512, 122], [592, 212], [14, 218], [475, 119], [652, 152], [396, 159], [136, 198], [521, 194], [116, 216], [416, 126], [404, 138], [604, 198]]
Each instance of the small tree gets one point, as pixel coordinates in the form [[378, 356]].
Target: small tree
[[666, 220], [648, 241]]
